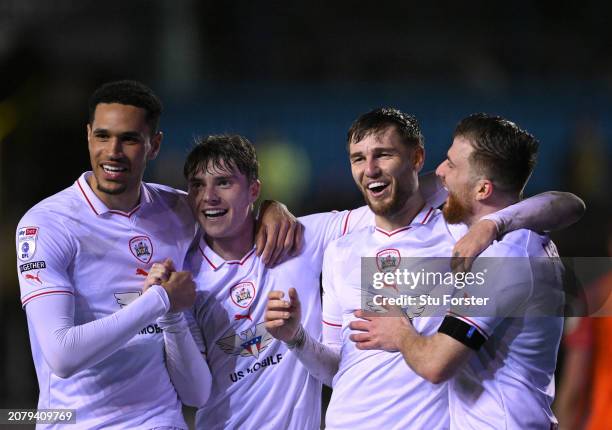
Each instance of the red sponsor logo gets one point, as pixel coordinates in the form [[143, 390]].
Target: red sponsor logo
[[247, 316], [33, 277]]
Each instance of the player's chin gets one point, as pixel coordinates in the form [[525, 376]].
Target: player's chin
[[112, 187]]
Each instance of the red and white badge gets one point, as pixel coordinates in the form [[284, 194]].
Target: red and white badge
[[388, 260], [141, 248], [243, 294]]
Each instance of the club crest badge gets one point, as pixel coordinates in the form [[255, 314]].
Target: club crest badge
[[141, 248], [388, 260], [26, 242], [243, 294], [248, 343]]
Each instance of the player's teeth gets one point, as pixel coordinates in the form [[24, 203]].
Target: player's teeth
[[214, 212], [113, 169], [376, 184]]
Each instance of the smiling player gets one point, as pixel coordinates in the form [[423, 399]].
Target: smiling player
[[375, 388]]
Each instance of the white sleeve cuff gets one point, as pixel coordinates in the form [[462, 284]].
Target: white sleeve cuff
[[163, 296]]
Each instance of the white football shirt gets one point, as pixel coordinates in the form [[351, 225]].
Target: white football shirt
[[257, 382], [376, 389], [509, 382], [71, 243]]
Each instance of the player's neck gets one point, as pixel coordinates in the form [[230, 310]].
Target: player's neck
[[404, 216], [124, 202], [237, 245], [489, 206]]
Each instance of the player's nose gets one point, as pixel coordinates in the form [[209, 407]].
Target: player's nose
[[210, 196], [440, 170], [372, 169], [115, 147]]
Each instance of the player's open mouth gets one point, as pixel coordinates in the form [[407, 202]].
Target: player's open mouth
[[377, 188], [113, 171], [214, 213]]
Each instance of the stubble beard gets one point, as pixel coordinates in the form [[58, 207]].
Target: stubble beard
[[391, 206], [455, 211]]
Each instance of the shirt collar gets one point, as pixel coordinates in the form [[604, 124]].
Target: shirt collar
[[422, 218], [215, 262], [98, 207]]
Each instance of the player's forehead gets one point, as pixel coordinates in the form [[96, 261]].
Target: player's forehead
[[385, 138], [460, 150], [119, 117], [216, 168]]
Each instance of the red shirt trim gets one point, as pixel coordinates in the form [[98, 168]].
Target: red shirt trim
[[391, 233], [244, 259], [331, 324], [116, 212], [87, 198], [427, 215], [346, 221], [45, 293]]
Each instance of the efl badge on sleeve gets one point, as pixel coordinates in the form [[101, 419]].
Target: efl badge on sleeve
[[26, 242], [141, 248]]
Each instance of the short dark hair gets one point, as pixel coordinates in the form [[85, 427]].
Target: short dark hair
[[131, 93], [503, 152], [231, 149], [380, 119]]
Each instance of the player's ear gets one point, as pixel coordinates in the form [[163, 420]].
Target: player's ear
[[156, 141], [418, 157], [254, 190], [484, 189]]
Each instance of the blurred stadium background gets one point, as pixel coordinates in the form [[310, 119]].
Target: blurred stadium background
[[292, 77]]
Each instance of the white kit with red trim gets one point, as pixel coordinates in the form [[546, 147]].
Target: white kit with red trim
[[509, 382], [257, 381], [72, 244], [377, 389]]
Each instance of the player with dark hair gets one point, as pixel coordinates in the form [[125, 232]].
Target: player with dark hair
[[374, 388], [89, 285], [247, 364]]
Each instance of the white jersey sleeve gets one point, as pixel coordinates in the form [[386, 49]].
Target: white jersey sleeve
[[45, 253], [508, 287], [332, 309], [187, 367], [69, 349]]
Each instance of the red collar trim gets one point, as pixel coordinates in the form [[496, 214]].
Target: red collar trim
[[220, 261], [102, 209], [391, 233]]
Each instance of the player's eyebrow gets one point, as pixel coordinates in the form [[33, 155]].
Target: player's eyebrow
[[379, 149], [124, 135], [356, 154], [100, 131], [131, 135]]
